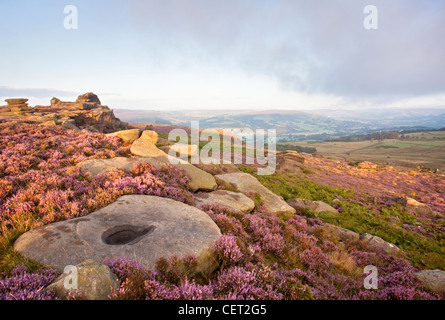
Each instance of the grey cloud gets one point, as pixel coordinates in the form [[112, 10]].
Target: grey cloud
[[308, 46]]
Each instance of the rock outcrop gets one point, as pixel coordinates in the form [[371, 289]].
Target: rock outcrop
[[135, 226], [16, 106], [86, 113], [232, 200], [246, 183], [289, 161]]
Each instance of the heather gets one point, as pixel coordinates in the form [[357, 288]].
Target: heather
[[265, 257], [366, 201], [21, 284], [259, 255], [42, 185]]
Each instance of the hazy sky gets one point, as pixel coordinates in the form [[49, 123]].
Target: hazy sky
[[225, 54]]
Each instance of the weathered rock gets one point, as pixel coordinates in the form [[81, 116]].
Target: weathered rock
[[181, 150], [377, 242], [289, 161], [85, 113], [92, 280], [342, 233], [70, 124], [127, 136], [218, 168], [232, 200], [150, 135], [416, 207], [16, 101], [199, 180], [136, 226], [88, 97], [433, 280], [145, 148], [99, 166], [318, 206], [246, 183]]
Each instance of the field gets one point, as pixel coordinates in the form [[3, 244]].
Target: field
[[425, 149]]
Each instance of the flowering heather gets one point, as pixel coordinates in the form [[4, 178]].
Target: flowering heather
[[300, 266], [260, 255], [22, 285], [41, 183], [383, 182]]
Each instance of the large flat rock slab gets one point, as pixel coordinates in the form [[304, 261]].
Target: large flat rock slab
[[139, 227], [244, 182]]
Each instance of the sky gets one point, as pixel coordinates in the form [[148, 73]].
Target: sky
[[225, 54]]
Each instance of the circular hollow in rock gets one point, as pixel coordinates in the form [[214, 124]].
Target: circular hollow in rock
[[125, 234]]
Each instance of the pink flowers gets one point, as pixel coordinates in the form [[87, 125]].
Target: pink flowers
[[23, 285], [261, 255], [227, 250]]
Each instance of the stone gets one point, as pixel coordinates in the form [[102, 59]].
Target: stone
[[99, 166], [88, 97], [86, 113], [246, 183], [199, 180], [232, 200], [146, 148], [16, 101], [289, 161], [377, 242], [181, 150], [318, 206], [94, 281], [70, 124], [416, 207], [150, 135], [342, 233], [139, 227], [218, 168], [433, 280], [127, 136]]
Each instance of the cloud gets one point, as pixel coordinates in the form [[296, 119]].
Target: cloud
[[315, 47], [33, 92]]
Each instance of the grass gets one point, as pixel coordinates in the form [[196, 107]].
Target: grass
[[424, 252]]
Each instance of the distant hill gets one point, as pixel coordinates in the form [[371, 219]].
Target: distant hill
[[297, 125]]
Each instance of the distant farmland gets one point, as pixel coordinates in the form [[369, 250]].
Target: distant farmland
[[426, 149]]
